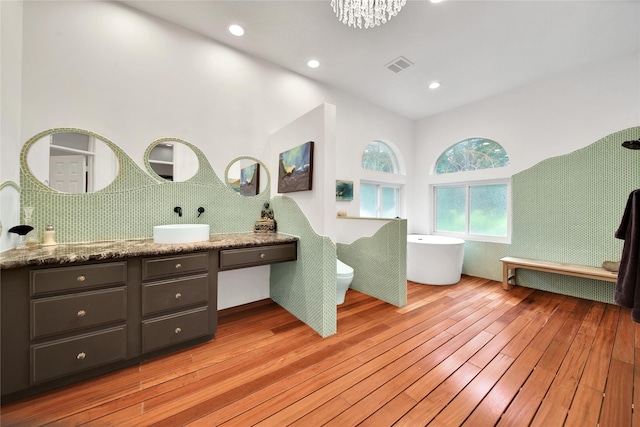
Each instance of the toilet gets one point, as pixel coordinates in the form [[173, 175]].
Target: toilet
[[344, 276]]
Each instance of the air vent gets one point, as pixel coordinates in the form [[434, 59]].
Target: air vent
[[399, 64]]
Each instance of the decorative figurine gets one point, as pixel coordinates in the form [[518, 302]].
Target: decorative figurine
[[266, 223]]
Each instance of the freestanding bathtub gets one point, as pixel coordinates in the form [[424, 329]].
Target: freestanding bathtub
[[434, 260]]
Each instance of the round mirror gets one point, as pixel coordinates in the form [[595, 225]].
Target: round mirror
[[172, 160], [72, 161], [247, 176]]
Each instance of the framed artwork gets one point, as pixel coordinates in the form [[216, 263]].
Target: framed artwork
[[344, 190], [250, 180], [295, 169]]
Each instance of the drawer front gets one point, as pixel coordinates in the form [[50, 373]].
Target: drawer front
[[168, 330], [62, 357], [173, 294], [164, 267], [249, 257], [52, 280], [70, 312]]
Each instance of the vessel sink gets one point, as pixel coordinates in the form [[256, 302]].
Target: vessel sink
[[180, 233]]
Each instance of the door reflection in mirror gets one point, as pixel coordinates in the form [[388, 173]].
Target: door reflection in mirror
[[72, 162]]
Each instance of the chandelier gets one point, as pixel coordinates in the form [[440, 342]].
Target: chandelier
[[370, 12]]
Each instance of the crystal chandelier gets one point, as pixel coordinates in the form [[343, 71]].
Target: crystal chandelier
[[370, 12]]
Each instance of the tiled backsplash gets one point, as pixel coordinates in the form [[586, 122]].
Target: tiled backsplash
[[136, 201], [567, 209]]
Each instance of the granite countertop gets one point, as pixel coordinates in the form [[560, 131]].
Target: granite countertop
[[78, 252]]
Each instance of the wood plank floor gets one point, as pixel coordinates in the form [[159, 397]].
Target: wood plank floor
[[469, 354]]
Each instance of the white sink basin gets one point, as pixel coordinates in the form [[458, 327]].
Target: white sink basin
[[180, 233]]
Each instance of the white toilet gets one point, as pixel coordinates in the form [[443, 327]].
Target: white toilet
[[344, 276]]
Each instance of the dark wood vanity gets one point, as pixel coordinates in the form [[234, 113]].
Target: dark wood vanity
[[67, 318]]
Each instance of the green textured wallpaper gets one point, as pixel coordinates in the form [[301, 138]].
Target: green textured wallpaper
[[379, 263], [306, 288], [136, 201], [567, 209]]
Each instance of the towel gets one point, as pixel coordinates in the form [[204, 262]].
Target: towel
[[627, 292]]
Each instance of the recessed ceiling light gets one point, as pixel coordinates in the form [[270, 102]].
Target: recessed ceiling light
[[236, 30], [434, 85], [313, 63], [436, 1]]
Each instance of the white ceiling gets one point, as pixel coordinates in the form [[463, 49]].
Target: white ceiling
[[477, 49]]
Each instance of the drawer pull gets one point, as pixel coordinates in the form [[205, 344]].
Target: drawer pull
[[178, 266], [81, 313], [81, 355], [81, 278], [262, 256], [178, 330], [178, 295]]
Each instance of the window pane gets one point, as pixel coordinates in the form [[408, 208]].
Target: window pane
[[488, 209], [368, 200], [389, 203], [450, 209], [472, 154], [378, 156]]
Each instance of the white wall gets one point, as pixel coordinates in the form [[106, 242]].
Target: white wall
[[10, 101], [318, 204], [542, 120]]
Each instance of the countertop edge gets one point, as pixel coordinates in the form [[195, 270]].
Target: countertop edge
[[70, 253]]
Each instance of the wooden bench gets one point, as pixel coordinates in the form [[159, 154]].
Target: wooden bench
[[510, 264]]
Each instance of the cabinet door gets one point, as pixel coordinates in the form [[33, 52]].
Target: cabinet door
[[164, 331], [82, 310], [250, 257], [165, 267], [62, 357], [50, 280], [174, 294]]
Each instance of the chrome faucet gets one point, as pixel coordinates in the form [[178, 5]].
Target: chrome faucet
[[178, 210]]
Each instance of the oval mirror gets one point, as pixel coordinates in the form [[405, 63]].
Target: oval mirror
[[247, 176], [72, 161], [171, 160]]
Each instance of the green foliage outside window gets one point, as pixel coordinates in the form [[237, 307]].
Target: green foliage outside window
[[472, 154], [378, 156]]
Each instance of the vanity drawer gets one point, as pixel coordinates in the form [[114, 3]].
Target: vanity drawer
[[260, 255], [173, 294], [67, 313], [168, 330], [163, 267], [67, 356], [58, 279]]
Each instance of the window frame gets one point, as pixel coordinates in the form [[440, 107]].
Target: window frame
[[466, 235], [393, 157], [380, 184]]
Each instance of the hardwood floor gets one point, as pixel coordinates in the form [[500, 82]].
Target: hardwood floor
[[469, 354]]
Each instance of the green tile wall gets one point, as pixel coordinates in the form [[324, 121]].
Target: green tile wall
[[380, 263], [567, 209], [136, 201], [482, 259], [306, 288]]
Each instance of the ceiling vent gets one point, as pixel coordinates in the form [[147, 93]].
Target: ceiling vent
[[399, 64]]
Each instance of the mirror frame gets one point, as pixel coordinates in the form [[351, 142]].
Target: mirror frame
[[263, 167], [24, 165], [157, 142]]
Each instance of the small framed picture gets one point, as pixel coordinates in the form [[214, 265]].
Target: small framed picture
[[344, 190], [295, 169]]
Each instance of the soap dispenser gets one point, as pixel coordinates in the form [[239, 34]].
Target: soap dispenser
[[49, 236]]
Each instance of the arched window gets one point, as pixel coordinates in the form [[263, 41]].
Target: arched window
[[380, 157], [381, 196], [472, 154]]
